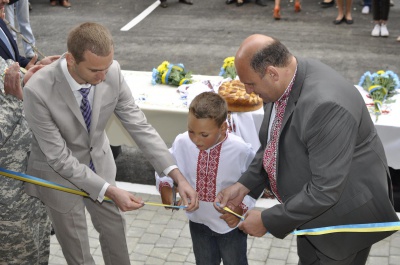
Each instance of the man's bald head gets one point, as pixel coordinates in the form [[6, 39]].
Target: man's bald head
[[260, 51]]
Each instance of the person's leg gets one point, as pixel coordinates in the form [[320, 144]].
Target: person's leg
[[385, 8], [309, 255], [340, 14], [72, 234], [22, 13], [9, 10], [24, 230], [297, 6], [233, 247], [277, 11], [349, 4], [109, 221], [205, 245], [358, 258], [306, 252]]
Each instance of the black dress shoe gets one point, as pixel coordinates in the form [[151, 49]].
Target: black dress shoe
[[228, 2], [349, 21], [164, 4], [262, 2], [339, 21], [327, 4], [187, 2]]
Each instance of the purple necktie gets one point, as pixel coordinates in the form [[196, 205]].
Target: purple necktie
[[86, 113]]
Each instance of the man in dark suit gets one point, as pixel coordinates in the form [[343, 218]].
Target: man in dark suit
[[321, 156], [5, 52], [9, 48]]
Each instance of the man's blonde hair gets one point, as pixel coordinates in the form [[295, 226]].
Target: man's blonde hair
[[91, 37]]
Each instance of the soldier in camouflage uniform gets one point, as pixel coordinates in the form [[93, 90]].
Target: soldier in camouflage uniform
[[24, 224]]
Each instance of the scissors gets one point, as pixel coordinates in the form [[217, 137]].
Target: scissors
[[174, 201]]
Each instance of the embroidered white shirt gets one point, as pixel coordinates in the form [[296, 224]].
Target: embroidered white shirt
[[209, 172]]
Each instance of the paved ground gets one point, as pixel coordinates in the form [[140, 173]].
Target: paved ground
[[200, 37], [157, 236]]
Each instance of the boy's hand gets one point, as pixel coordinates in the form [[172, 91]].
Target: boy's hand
[[231, 219], [166, 195]]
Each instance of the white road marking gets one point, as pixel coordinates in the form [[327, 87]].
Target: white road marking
[[141, 16]]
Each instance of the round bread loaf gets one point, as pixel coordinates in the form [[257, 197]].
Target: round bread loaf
[[237, 98]]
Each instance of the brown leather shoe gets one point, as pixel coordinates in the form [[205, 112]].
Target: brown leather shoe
[[187, 2], [65, 3], [53, 2]]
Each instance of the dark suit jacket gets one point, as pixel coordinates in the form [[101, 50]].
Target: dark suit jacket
[[5, 53], [332, 168]]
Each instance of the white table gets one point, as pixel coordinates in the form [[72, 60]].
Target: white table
[[167, 113]]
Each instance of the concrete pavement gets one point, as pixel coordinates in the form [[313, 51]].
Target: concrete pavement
[[201, 36], [157, 236]]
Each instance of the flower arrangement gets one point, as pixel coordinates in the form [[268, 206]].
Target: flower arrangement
[[380, 86], [171, 74], [228, 68]]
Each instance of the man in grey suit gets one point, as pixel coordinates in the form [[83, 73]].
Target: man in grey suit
[[67, 105], [320, 157]]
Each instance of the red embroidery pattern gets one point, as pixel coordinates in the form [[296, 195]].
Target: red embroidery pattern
[[163, 184], [244, 207], [271, 151], [207, 169]]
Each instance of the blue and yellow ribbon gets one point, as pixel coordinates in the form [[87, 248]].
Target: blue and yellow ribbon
[[43, 182], [53, 185], [356, 228]]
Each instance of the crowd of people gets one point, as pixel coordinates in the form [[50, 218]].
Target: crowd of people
[[320, 156]]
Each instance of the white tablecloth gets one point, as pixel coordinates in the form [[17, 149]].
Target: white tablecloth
[[165, 109]]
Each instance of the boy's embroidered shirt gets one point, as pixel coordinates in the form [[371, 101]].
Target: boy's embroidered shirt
[[209, 172]]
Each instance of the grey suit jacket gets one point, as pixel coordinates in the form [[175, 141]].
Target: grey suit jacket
[[62, 148], [332, 168]]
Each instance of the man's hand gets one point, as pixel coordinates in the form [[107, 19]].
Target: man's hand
[[253, 224], [2, 13], [231, 219], [45, 61], [188, 194], [48, 60], [125, 200], [231, 196], [12, 83]]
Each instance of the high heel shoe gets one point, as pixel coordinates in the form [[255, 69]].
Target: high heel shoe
[[277, 13], [297, 7], [339, 21], [327, 4], [240, 3]]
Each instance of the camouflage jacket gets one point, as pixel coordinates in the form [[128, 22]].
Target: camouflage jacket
[[15, 138], [24, 225]]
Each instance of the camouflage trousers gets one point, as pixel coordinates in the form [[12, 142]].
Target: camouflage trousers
[[25, 240]]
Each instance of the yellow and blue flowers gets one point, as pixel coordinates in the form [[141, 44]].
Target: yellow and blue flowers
[[380, 86], [171, 74], [228, 68]]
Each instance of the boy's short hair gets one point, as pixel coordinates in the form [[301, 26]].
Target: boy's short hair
[[209, 105]]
